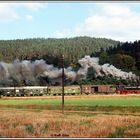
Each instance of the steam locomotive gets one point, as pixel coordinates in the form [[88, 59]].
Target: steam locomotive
[[128, 90], [68, 90]]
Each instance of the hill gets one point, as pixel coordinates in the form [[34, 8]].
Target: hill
[[51, 49]]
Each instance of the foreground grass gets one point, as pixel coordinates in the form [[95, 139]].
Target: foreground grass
[[30, 123], [85, 116]]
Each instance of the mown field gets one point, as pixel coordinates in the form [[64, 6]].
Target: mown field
[[91, 116]]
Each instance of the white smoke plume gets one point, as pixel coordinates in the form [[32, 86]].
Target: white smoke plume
[[103, 70], [31, 71]]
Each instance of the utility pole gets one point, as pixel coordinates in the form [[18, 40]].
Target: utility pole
[[63, 84]]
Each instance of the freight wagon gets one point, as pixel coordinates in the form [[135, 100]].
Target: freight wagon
[[94, 89]]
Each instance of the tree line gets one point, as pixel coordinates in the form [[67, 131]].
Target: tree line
[[125, 56]]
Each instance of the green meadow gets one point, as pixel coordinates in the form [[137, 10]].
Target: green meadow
[[82, 104], [76, 102]]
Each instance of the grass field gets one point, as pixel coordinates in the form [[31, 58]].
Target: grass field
[[82, 100], [85, 116]]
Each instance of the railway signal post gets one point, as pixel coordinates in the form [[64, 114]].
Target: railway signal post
[[63, 84]]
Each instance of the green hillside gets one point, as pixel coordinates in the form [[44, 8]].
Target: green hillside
[[51, 49]]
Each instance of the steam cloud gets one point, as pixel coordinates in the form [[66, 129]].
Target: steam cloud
[[103, 70], [31, 71]]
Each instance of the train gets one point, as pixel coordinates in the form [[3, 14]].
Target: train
[[68, 90]]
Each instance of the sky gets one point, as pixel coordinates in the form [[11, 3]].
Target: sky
[[113, 20]]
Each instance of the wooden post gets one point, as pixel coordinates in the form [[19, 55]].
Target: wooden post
[[63, 84]]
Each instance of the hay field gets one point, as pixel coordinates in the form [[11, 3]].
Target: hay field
[[84, 117]]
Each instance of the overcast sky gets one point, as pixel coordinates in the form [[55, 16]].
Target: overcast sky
[[119, 21]]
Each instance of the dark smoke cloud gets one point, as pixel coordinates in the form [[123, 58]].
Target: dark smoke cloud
[[31, 71]]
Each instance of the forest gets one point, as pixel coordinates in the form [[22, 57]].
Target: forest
[[51, 49], [123, 55]]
